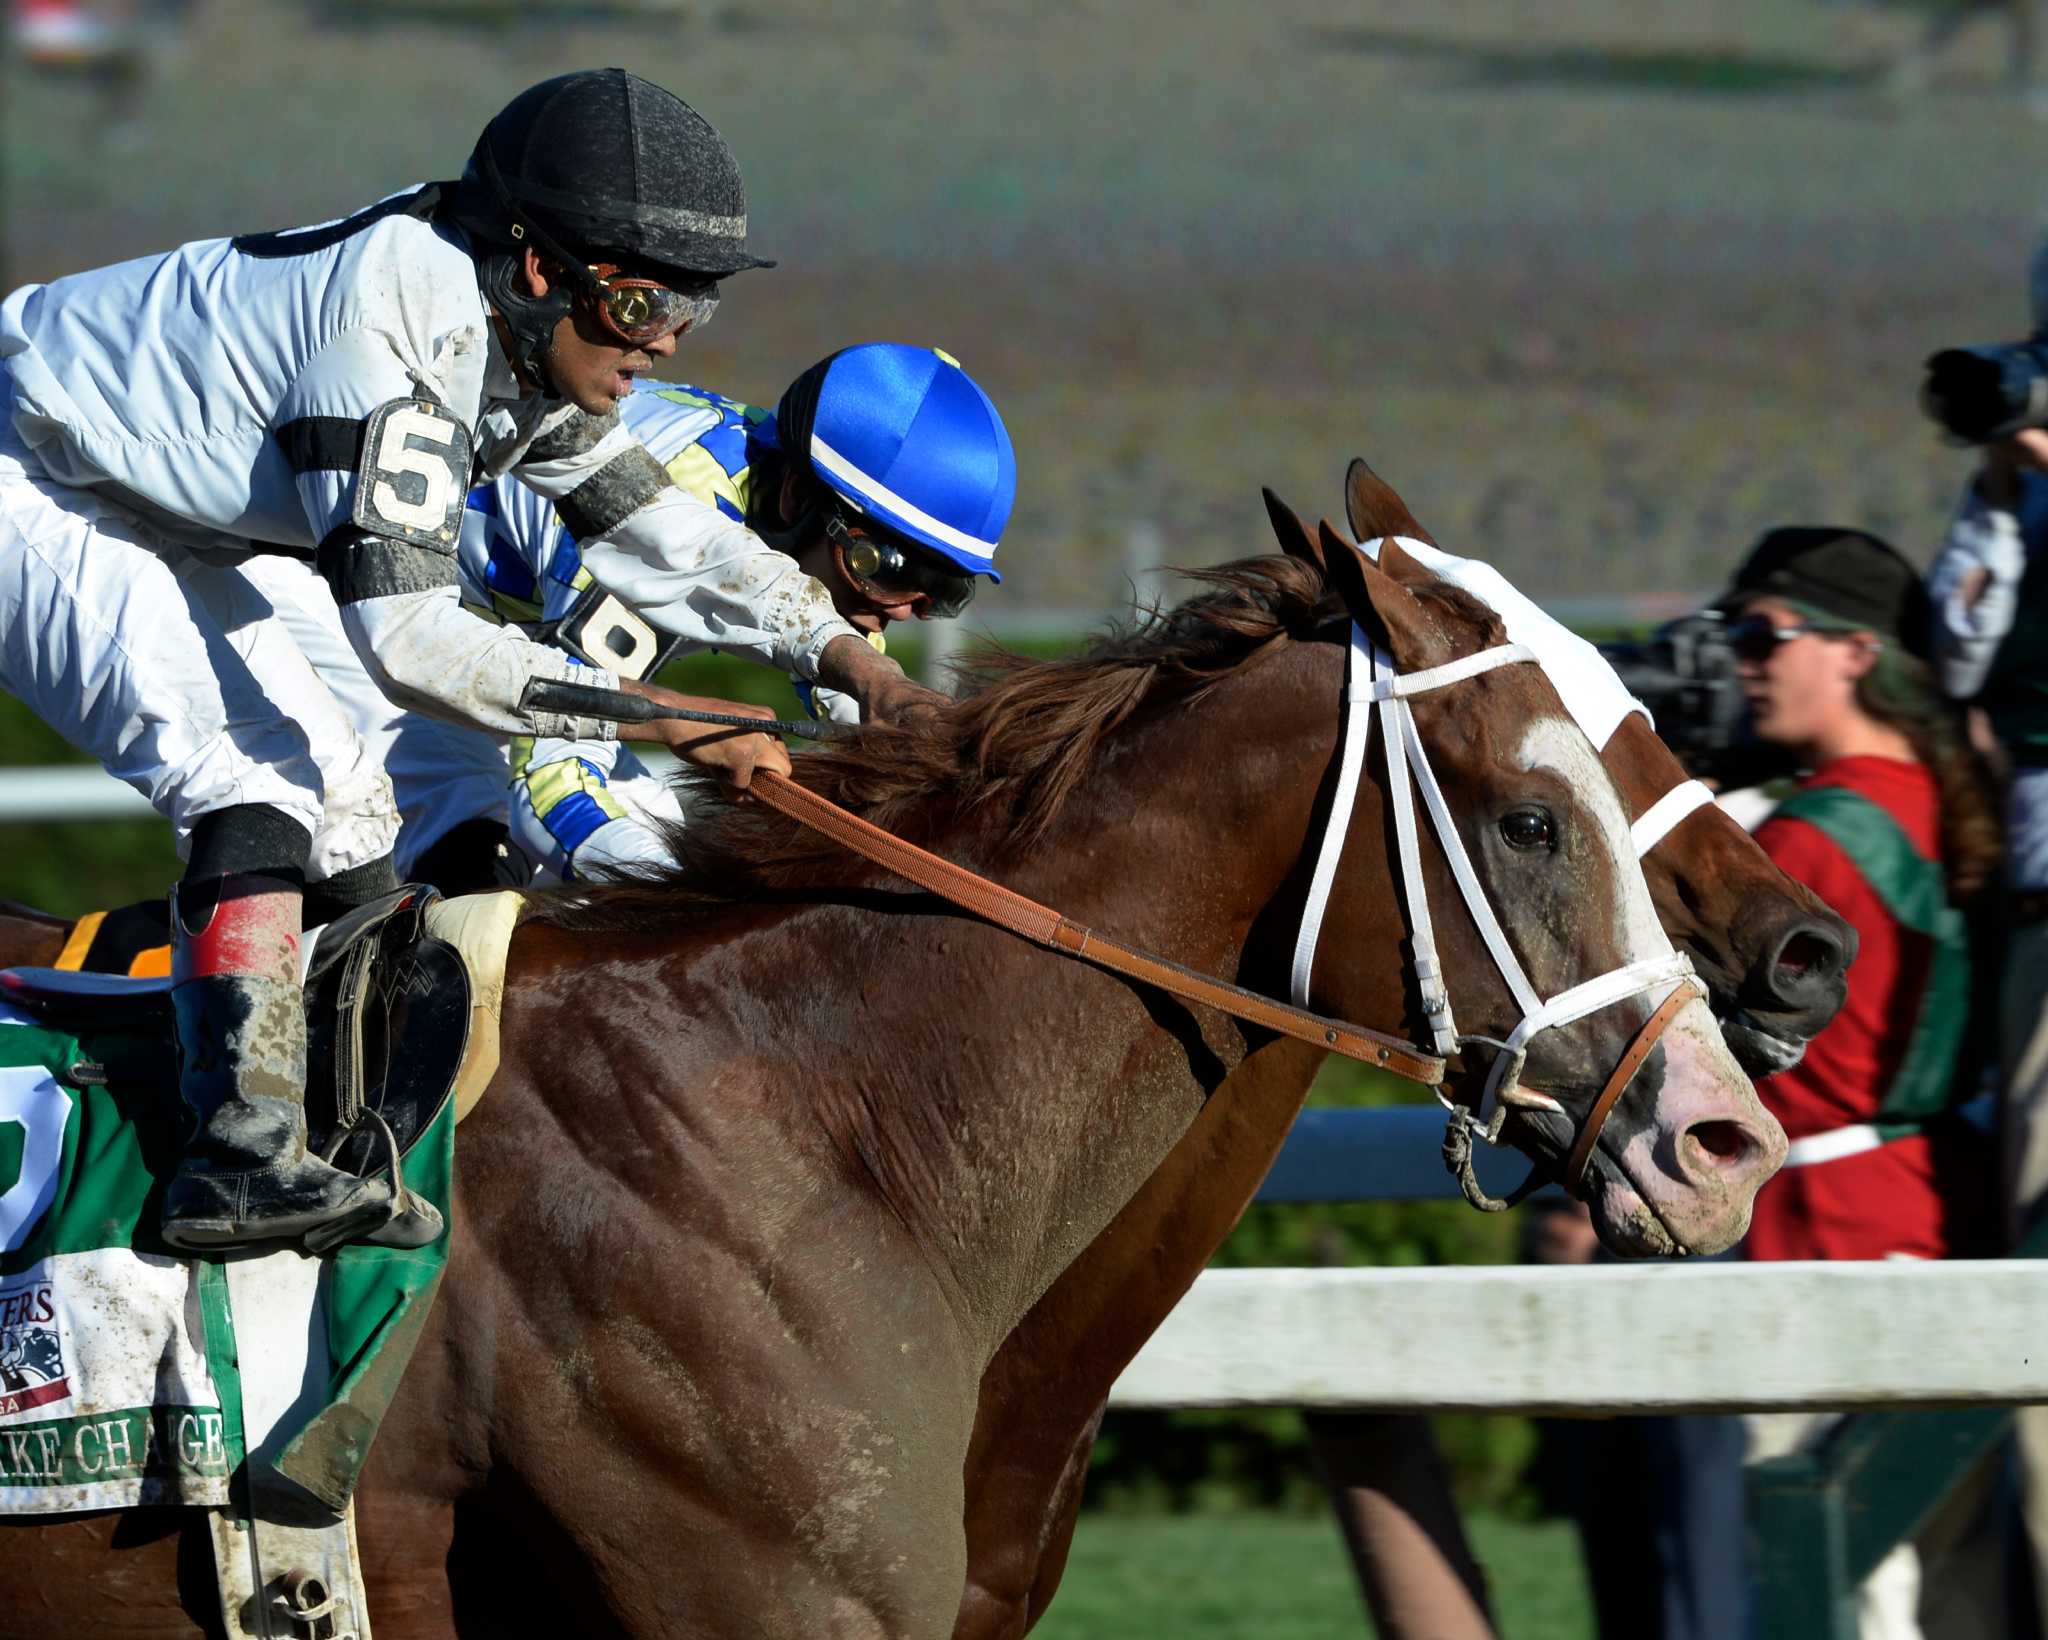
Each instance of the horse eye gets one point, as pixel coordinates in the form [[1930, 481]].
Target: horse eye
[[1528, 829]]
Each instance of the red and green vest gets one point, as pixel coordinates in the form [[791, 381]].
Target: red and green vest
[[1915, 892]]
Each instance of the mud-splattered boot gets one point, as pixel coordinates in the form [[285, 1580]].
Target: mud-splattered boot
[[246, 1175]]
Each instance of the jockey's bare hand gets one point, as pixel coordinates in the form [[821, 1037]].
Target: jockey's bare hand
[[878, 683], [732, 754]]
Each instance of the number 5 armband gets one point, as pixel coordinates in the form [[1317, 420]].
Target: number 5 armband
[[414, 476], [411, 484]]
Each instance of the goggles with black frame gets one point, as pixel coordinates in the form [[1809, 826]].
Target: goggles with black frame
[[892, 574], [639, 311]]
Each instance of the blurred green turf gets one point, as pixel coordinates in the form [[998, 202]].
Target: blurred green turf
[[1268, 1577]]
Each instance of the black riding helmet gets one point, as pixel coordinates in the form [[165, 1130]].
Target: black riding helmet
[[598, 166]]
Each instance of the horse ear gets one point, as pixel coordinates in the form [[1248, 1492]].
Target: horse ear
[[1391, 615], [1372, 507], [1334, 545], [1293, 534], [1402, 564]]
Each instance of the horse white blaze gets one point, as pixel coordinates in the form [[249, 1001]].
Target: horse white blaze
[[1682, 1182]]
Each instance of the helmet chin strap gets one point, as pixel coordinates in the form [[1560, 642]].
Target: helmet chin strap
[[529, 321]]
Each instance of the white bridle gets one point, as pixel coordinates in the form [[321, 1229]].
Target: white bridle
[[1371, 682]]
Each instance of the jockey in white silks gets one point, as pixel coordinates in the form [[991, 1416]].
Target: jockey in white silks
[[885, 472], [331, 395]]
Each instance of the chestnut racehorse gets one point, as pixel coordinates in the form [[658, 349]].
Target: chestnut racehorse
[[780, 1154], [1774, 956]]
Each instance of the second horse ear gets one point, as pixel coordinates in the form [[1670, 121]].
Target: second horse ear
[[1372, 508], [1400, 563], [1391, 615], [1291, 532]]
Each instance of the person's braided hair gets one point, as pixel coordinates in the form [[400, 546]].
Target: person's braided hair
[[1901, 692]]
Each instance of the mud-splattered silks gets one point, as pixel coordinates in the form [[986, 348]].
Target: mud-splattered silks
[[123, 1377]]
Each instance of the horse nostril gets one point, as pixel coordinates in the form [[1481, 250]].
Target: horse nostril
[[1725, 1143], [1805, 967], [1807, 951]]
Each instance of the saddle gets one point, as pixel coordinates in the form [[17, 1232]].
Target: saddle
[[403, 1000], [388, 1013]]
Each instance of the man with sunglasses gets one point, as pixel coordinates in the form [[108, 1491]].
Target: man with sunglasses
[[885, 474], [328, 396]]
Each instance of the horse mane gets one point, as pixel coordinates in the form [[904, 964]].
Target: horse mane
[[1008, 754]]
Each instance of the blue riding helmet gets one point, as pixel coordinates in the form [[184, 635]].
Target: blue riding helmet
[[905, 436]]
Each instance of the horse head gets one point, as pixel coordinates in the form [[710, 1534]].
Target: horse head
[[1553, 975], [1775, 959]]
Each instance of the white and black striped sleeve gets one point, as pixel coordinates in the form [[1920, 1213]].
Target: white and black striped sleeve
[[682, 565]]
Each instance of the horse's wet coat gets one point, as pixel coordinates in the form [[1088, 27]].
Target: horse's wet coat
[[769, 1177]]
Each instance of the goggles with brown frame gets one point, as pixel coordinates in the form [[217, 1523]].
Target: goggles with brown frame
[[639, 311], [891, 573]]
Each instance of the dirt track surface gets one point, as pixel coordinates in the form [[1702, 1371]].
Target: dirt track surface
[[1603, 302]]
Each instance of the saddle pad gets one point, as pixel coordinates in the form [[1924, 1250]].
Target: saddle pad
[[132, 940], [479, 926], [122, 1376], [106, 1399]]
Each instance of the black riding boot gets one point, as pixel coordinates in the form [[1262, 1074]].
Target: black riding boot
[[246, 1175]]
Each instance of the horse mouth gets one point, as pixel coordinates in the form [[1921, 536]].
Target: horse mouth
[[1652, 1235], [1758, 1049], [1639, 1225]]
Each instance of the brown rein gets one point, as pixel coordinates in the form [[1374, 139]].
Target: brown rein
[[1046, 927], [1624, 1073]]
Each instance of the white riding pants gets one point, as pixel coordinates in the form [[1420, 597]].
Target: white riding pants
[[440, 774], [173, 672]]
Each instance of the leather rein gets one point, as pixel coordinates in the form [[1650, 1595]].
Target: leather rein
[[1044, 926]]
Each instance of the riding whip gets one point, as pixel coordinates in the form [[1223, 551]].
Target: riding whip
[[590, 700]]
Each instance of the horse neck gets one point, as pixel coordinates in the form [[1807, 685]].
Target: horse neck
[[1072, 1086], [1057, 1365], [1089, 1324]]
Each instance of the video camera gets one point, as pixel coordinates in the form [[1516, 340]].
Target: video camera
[[1984, 393], [1685, 673]]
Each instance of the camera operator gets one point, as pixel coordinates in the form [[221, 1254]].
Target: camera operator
[[1989, 586], [1990, 592]]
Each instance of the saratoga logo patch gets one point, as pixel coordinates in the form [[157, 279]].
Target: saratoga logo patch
[[33, 1372]]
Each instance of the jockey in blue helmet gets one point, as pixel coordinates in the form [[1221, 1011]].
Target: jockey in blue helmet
[[896, 477], [885, 472]]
